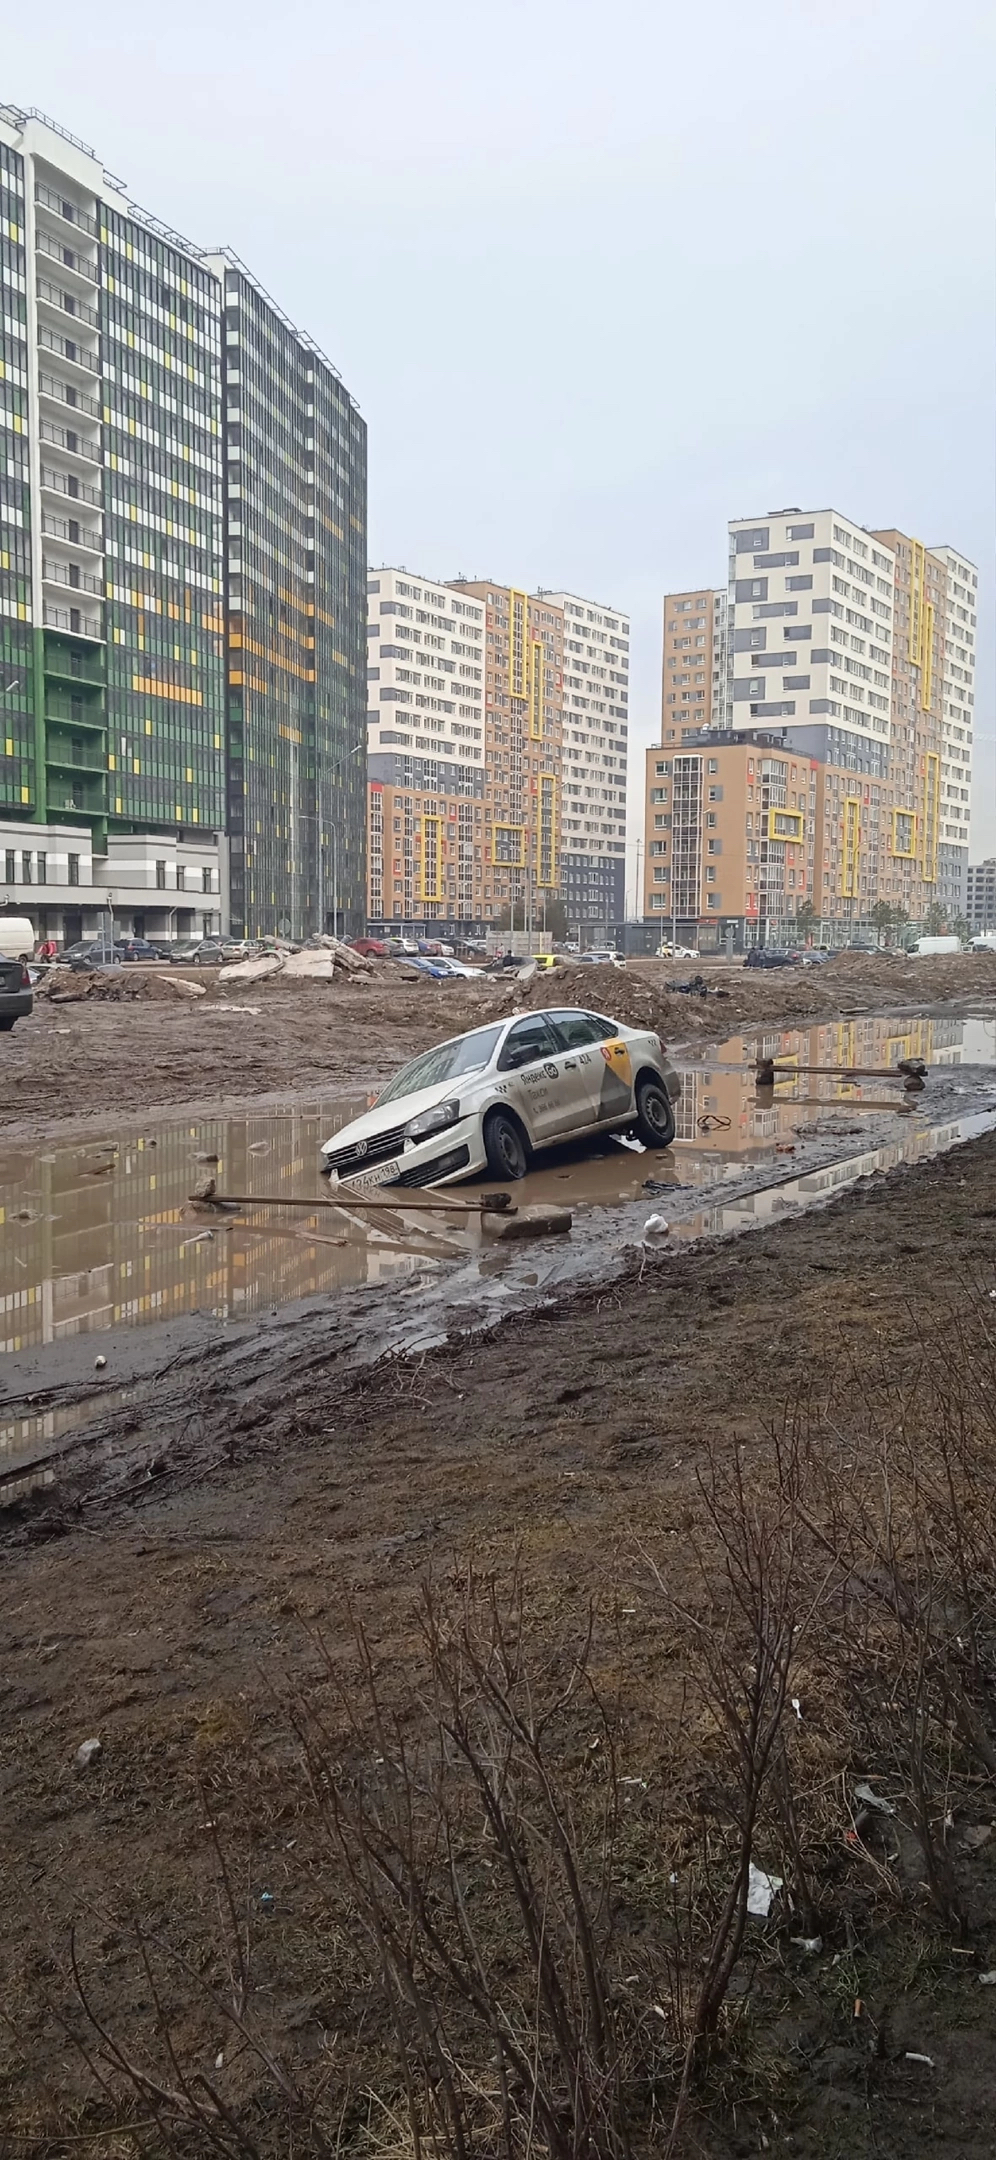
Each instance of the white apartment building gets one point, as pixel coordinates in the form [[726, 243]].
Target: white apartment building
[[593, 778], [425, 684], [957, 723], [810, 628]]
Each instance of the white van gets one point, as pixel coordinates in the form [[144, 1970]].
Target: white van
[[937, 945], [17, 939]]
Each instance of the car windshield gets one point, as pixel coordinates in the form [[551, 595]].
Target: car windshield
[[467, 1053]]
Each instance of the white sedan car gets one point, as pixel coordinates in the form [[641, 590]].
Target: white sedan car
[[488, 1100]]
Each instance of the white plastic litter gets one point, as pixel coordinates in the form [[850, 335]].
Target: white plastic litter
[[88, 1753], [629, 1140], [812, 1943], [797, 1707], [873, 1800], [656, 1226], [987, 1979], [912, 2056], [761, 1891]]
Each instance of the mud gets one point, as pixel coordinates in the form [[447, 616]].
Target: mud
[[146, 1048], [170, 1601]]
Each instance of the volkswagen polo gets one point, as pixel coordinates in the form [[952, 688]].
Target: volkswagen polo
[[488, 1101]]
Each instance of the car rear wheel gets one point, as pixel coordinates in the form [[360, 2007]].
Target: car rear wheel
[[504, 1146], [654, 1112]]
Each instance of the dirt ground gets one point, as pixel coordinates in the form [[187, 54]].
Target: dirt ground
[[184, 1597], [149, 1046]]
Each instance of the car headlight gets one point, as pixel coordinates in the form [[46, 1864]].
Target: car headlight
[[433, 1121]]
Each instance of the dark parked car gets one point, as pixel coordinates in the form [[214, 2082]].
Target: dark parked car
[[95, 952], [16, 999], [770, 956], [138, 948]]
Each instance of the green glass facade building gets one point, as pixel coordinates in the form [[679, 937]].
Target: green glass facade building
[[295, 492], [182, 563]]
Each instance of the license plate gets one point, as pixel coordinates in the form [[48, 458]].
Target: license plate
[[367, 1180]]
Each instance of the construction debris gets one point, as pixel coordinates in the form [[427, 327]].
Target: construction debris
[[534, 1222]]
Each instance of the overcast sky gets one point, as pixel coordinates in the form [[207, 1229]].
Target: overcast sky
[[599, 276]]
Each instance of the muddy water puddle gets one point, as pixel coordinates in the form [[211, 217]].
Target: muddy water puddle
[[103, 1236]]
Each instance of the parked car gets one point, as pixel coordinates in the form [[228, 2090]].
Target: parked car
[[441, 969], [402, 948], [770, 956], [182, 952], [139, 948], [215, 951], [95, 952], [373, 948], [667, 951], [491, 1099], [16, 995], [602, 959]]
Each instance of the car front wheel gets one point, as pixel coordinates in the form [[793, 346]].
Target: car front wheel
[[504, 1147], [654, 1113]]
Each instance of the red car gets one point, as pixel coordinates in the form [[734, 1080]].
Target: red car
[[374, 948]]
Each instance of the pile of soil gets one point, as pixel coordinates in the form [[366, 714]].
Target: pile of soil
[[116, 986], [644, 996]]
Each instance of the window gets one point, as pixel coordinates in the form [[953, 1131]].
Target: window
[[526, 1043], [576, 1030], [74, 869], [713, 765], [11, 866], [42, 867], [206, 885], [26, 867], [801, 532], [798, 584], [160, 875], [181, 878]]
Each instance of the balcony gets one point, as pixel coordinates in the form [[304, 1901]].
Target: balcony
[[56, 573], [82, 671], [70, 351], [74, 757], [74, 535], [70, 261], [68, 213], [52, 296], [67, 394], [73, 622], [85, 797], [67, 439], [60, 483], [75, 713]]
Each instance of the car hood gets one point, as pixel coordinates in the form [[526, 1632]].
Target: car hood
[[386, 1117]]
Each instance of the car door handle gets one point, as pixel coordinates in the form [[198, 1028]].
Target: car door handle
[[571, 1064]]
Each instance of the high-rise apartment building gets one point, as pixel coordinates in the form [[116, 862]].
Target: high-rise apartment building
[[957, 619], [980, 895], [426, 733], [114, 660], [295, 504], [693, 675], [594, 764], [838, 651]]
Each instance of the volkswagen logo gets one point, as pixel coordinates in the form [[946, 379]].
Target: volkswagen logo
[[361, 1147]]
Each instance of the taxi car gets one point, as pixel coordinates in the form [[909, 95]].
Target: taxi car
[[490, 1099]]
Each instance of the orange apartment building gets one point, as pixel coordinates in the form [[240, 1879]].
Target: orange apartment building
[[693, 676], [466, 745], [746, 825], [743, 831]]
